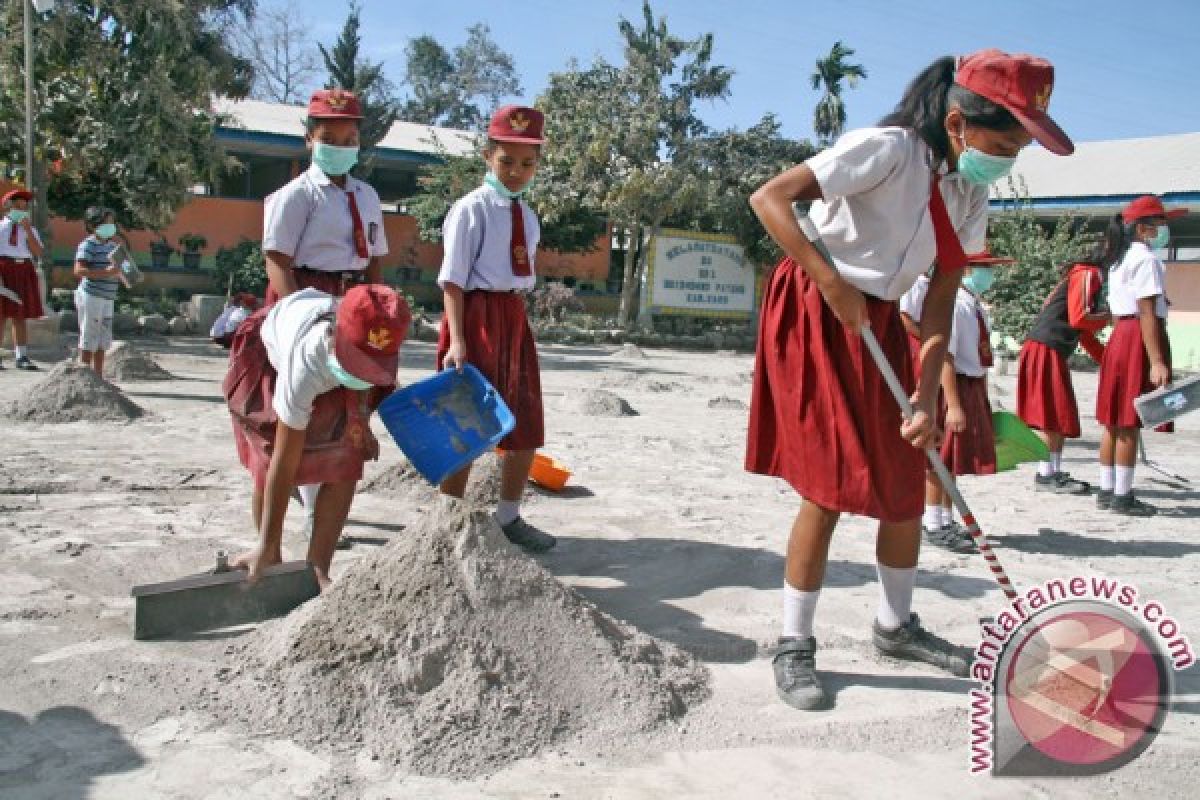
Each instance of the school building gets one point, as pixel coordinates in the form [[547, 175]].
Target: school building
[[1101, 177], [268, 140]]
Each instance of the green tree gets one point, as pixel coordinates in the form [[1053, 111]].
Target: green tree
[[829, 116], [621, 138], [279, 44], [348, 69], [457, 89], [124, 97], [1040, 251]]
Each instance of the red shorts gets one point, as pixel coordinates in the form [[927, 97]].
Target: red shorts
[[821, 416], [21, 278], [972, 452], [1125, 374], [500, 345], [1045, 395]]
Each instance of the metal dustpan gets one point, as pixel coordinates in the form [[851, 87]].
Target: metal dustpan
[[220, 598], [1169, 403]]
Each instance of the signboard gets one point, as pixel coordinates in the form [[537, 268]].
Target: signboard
[[699, 275]]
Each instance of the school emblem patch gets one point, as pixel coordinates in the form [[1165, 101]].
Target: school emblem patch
[[518, 122], [379, 338], [1041, 100], [338, 100]]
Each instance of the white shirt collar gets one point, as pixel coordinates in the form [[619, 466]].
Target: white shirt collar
[[320, 179]]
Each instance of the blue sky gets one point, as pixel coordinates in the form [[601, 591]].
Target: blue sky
[[1123, 69]]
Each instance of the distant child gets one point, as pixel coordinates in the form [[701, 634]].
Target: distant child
[[302, 384], [889, 203], [1070, 317], [969, 445], [96, 295], [1138, 356], [236, 311], [20, 248], [490, 237]]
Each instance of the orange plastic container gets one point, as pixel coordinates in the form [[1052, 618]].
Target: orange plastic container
[[549, 473]]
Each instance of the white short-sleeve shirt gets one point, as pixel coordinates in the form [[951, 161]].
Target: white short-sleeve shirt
[[20, 250], [298, 345], [965, 335], [1139, 274], [477, 243], [309, 219], [874, 217], [913, 301]]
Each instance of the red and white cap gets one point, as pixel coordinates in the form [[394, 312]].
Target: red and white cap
[[1147, 207], [520, 124], [372, 323], [1020, 83], [334, 104], [16, 194], [984, 258]]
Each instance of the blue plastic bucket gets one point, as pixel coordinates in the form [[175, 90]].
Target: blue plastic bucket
[[445, 422]]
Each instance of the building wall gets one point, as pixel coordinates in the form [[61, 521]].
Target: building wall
[[226, 221], [1183, 324]]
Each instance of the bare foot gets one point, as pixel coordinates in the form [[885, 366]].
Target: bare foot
[[255, 561]]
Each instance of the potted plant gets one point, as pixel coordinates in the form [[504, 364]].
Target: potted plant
[[160, 253], [192, 244]]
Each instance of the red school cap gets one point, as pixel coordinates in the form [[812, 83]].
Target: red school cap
[[517, 124], [16, 194], [372, 323], [1148, 206], [984, 258], [1020, 83], [334, 104]]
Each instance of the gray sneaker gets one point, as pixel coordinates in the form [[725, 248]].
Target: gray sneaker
[[796, 680], [1061, 483], [1127, 505], [911, 642], [952, 537], [527, 537], [1104, 498]]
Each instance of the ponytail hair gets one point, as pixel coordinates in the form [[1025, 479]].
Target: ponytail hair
[[1118, 236], [930, 97]]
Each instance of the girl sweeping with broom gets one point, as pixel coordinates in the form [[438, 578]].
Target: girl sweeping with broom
[[889, 202]]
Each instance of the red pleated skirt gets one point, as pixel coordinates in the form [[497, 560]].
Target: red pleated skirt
[[500, 345], [914, 346], [821, 416], [1045, 394], [20, 277], [1125, 374], [972, 452]]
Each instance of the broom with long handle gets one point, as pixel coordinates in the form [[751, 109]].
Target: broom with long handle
[[935, 459]]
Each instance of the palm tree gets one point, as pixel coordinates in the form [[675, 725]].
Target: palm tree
[[829, 117]]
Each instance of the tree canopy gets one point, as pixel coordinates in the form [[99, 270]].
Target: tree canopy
[[459, 88], [829, 116]]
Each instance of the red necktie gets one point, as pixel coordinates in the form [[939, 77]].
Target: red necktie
[[950, 253], [12, 234], [360, 236], [520, 255], [985, 343]]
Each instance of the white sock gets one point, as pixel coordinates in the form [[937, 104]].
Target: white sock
[[947, 515], [1123, 484], [895, 595], [1046, 468], [1108, 477], [933, 517], [1056, 461], [507, 511], [799, 608], [308, 496], [19, 349]]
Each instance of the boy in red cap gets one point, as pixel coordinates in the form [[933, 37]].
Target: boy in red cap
[[20, 247], [889, 202], [301, 388], [324, 228], [1137, 358], [489, 238]]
